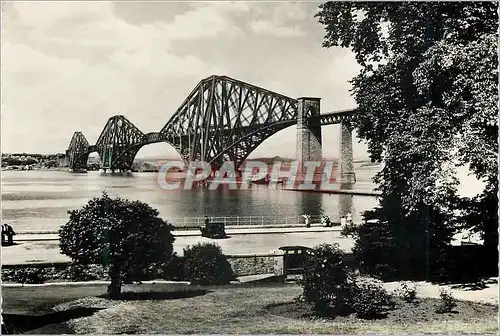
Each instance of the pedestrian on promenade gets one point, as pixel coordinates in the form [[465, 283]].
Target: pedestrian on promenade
[[307, 219], [349, 218], [343, 221], [8, 231], [4, 233], [326, 221]]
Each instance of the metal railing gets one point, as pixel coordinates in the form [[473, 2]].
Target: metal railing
[[241, 221], [52, 225]]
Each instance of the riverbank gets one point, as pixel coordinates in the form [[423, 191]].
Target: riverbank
[[195, 231], [339, 191], [40, 249]]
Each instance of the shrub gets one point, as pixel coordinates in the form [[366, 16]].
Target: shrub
[[389, 240], [127, 236], [372, 301], [205, 264], [407, 293], [327, 281], [349, 230], [30, 275], [447, 303], [174, 271], [84, 272]]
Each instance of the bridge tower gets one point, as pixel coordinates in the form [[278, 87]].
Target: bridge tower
[[309, 142], [346, 155], [308, 131]]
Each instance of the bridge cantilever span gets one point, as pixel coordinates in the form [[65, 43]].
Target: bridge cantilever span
[[221, 117]]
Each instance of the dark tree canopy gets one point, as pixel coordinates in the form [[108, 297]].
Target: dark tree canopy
[[427, 100], [126, 235]]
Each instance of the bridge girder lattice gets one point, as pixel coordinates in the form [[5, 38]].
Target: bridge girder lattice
[[221, 119]]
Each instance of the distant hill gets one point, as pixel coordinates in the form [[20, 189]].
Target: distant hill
[[270, 160], [157, 158]]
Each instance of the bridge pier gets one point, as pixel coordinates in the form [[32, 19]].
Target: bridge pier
[[346, 156], [309, 146]]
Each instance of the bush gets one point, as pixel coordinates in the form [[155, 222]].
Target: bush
[[447, 303], [388, 241], [174, 271], [372, 301], [348, 230], [407, 293], [204, 264], [327, 281], [30, 275], [127, 236], [84, 272]]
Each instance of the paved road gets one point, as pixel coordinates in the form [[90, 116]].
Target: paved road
[[254, 241]]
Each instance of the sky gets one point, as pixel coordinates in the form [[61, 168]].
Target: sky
[[69, 66]]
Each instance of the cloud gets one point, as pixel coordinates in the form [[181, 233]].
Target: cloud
[[281, 19], [71, 64], [272, 28]]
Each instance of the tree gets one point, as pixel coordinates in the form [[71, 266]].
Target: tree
[[126, 235], [427, 103]]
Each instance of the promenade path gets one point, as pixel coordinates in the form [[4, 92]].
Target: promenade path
[[44, 248]]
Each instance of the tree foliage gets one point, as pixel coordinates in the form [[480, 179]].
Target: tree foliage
[[126, 235], [330, 286], [328, 283], [427, 103], [205, 264]]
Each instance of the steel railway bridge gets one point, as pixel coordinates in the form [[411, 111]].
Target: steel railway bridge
[[222, 118]]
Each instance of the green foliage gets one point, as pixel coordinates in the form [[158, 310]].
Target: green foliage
[[330, 286], [28, 275], [447, 303], [480, 214], [348, 230], [327, 281], [85, 272], [128, 236], [387, 242], [174, 271], [407, 293], [372, 301], [427, 102], [205, 264]]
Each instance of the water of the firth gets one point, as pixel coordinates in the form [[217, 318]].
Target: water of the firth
[[39, 200]]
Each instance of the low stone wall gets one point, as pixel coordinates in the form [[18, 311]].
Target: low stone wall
[[48, 272], [256, 264]]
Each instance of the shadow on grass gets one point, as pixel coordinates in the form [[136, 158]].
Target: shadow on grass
[[20, 323], [140, 296], [218, 238], [475, 285], [304, 310]]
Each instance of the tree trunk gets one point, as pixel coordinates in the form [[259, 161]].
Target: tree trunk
[[115, 287]]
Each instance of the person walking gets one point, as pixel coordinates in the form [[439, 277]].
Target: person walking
[[307, 219], [10, 235], [343, 221], [349, 218], [7, 231], [4, 233]]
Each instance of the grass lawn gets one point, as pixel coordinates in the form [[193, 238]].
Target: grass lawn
[[240, 309]]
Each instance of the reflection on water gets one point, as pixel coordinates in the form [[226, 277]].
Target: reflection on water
[[32, 196]]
